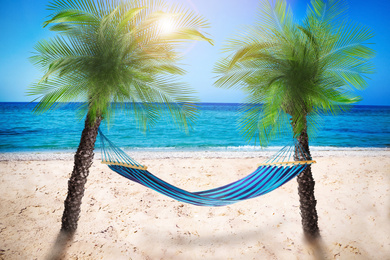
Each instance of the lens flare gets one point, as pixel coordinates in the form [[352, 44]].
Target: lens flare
[[166, 26]]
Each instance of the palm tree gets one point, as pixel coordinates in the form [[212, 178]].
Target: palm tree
[[108, 52], [292, 74]]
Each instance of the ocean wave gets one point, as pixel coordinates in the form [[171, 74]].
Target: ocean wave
[[362, 128], [246, 148]]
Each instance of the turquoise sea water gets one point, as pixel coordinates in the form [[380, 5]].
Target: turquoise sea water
[[215, 129]]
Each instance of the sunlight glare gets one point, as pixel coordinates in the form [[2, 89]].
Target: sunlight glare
[[166, 25]]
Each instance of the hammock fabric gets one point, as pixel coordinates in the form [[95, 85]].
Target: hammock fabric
[[268, 176]]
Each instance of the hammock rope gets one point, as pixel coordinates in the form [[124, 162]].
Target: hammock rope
[[268, 176]]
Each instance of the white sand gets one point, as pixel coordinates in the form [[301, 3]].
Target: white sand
[[123, 220]]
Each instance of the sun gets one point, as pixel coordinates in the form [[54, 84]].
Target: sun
[[166, 25]]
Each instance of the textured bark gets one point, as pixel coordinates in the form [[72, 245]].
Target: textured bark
[[306, 194], [76, 184]]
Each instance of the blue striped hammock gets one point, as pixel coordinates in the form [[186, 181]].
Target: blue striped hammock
[[268, 176]]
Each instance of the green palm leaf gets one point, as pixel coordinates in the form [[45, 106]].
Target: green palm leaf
[[292, 73], [114, 51]]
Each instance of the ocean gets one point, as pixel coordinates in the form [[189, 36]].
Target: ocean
[[215, 130]]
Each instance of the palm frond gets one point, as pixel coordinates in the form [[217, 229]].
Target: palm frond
[[327, 12], [114, 51], [292, 73]]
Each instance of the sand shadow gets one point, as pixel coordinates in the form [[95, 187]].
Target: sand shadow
[[250, 240]]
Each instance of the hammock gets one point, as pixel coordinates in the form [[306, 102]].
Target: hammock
[[268, 176]]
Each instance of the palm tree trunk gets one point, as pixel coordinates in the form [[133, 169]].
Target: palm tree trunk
[[82, 162], [306, 193], [76, 186]]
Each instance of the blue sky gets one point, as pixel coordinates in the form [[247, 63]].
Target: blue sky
[[21, 27]]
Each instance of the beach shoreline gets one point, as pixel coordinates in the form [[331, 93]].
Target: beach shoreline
[[142, 155], [124, 220]]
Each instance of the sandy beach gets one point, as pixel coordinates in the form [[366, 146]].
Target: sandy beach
[[124, 220]]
